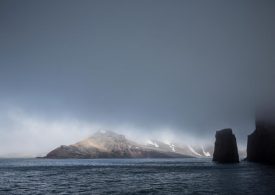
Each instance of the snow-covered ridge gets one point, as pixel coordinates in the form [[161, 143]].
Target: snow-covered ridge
[[193, 151], [150, 142], [167, 146]]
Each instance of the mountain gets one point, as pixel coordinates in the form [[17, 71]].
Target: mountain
[[107, 144]]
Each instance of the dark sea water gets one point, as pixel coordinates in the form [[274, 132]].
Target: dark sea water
[[132, 176]]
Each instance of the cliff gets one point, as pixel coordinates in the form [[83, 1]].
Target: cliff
[[261, 143]]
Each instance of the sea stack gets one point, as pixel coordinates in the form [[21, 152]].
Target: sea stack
[[226, 150], [261, 143]]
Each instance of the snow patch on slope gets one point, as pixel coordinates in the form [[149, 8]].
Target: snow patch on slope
[[172, 146], [193, 151], [153, 143], [204, 152]]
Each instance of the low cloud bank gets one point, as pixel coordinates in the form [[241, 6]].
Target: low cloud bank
[[26, 135]]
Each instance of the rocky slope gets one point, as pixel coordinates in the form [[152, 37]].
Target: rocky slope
[[106, 144]]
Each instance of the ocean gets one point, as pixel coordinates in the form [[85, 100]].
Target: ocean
[[134, 176]]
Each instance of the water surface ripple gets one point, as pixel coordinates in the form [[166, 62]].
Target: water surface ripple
[[133, 176]]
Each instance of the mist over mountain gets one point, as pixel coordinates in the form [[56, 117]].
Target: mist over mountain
[[107, 144], [137, 97], [177, 70]]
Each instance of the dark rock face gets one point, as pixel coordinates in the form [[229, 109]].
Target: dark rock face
[[226, 150], [261, 143]]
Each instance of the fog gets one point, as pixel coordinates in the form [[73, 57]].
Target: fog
[[177, 70]]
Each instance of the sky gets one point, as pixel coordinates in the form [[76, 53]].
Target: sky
[[176, 69]]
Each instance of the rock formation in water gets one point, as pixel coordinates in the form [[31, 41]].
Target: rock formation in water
[[106, 144], [226, 150], [261, 143]]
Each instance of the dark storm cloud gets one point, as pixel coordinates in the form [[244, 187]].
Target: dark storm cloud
[[192, 65]]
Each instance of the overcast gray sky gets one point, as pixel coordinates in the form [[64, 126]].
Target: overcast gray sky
[[68, 68]]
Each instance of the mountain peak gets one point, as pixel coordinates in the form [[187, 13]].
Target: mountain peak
[[106, 134]]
